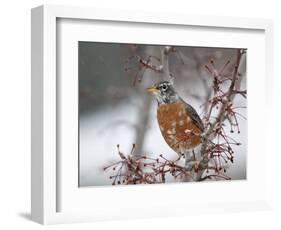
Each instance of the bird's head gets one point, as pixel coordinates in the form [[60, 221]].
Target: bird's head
[[164, 92]]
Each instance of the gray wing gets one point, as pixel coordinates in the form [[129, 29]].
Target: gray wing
[[194, 116]]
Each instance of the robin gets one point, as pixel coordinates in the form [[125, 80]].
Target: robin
[[178, 121]]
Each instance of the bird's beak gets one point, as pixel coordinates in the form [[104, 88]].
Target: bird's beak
[[152, 90]]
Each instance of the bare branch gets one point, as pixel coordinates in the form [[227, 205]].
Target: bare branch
[[229, 96]]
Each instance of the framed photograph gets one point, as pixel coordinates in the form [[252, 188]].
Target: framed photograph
[[142, 114]]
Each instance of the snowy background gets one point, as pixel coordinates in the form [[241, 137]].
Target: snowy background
[[113, 111]]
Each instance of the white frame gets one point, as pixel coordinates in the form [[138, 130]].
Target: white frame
[[44, 177]]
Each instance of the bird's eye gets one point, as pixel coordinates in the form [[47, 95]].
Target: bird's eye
[[164, 87]]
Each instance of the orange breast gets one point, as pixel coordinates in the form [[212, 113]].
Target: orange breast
[[177, 128]]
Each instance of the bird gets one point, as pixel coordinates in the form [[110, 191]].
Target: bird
[[179, 123]]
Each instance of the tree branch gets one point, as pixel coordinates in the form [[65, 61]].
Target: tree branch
[[219, 119]]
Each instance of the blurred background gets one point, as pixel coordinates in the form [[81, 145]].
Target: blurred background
[[114, 109]]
